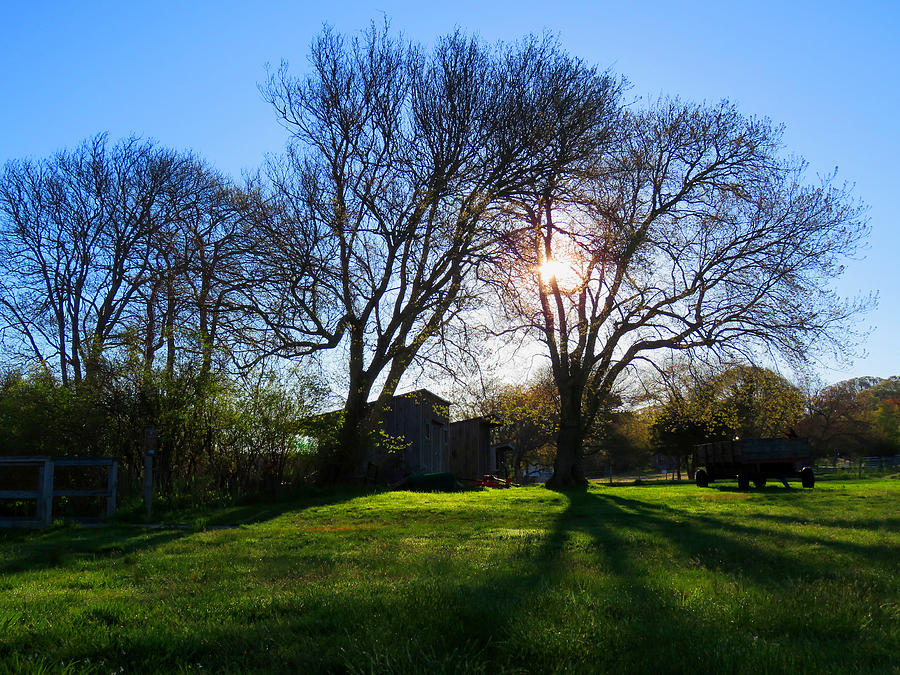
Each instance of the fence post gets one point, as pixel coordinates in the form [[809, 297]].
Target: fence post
[[45, 500], [149, 450], [112, 486]]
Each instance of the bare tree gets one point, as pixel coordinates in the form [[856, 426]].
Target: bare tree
[[689, 231], [98, 247], [76, 231], [197, 259], [380, 207]]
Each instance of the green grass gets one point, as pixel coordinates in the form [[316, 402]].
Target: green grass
[[654, 578]]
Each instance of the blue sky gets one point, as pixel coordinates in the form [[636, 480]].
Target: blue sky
[[186, 74]]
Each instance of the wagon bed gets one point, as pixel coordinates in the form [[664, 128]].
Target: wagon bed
[[754, 460]]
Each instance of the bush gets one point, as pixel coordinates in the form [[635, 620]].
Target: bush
[[218, 438]]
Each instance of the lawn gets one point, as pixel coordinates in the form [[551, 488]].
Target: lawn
[[654, 578]]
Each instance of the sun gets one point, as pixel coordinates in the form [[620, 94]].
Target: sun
[[552, 268], [564, 272]]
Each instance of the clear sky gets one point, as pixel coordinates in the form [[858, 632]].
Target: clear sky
[[186, 74]]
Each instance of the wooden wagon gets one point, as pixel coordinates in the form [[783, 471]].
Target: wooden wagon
[[754, 461]]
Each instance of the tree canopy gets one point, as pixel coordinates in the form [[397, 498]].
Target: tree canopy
[[854, 417], [694, 403], [686, 229], [423, 189]]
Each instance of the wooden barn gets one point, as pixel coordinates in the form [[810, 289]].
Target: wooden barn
[[471, 453], [415, 430]]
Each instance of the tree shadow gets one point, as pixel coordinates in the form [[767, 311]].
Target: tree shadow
[[65, 545], [258, 512], [725, 543], [481, 621], [891, 523]]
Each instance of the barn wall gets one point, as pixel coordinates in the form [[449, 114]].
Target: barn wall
[[471, 454], [418, 422]]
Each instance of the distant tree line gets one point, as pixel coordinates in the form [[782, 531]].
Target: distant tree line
[[686, 403], [856, 417], [421, 191]]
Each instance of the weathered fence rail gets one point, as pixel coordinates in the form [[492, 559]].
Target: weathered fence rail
[[881, 463], [45, 492]]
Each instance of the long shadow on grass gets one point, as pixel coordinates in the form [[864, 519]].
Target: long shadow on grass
[[583, 592], [729, 543], [539, 608], [645, 610], [444, 618], [531, 609], [32, 550], [256, 510], [632, 612], [891, 523], [248, 514], [60, 547]]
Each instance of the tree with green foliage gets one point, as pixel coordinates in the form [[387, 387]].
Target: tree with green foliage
[[621, 440], [526, 418], [853, 418], [697, 404], [887, 420], [218, 437]]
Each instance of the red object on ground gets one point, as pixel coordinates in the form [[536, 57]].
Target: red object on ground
[[490, 480]]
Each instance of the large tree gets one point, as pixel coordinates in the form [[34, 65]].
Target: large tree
[[112, 247], [379, 211], [687, 230], [187, 303]]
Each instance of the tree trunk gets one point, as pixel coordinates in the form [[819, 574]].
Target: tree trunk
[[204, 324], [568, 471], [169, 324], [346, 456], [150, 332]]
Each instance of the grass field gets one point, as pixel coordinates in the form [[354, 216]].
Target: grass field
[[656, 578]]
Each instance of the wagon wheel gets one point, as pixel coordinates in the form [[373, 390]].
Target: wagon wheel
[[702, 478], [759, 482], [807, 477]]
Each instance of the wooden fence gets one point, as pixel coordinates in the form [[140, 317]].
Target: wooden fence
[[45, 492]]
